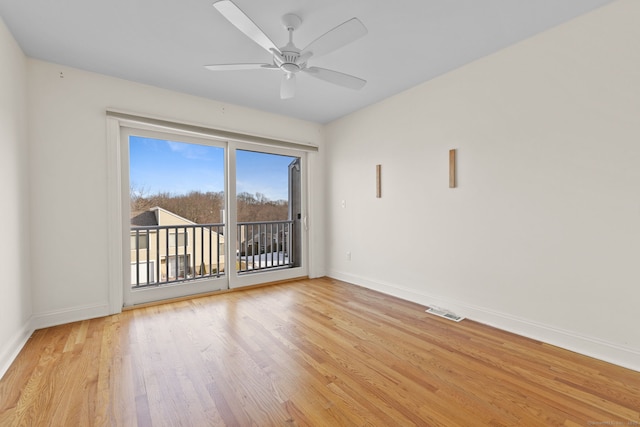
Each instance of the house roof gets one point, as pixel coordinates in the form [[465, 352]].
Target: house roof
[[144, 219], [150, 217]]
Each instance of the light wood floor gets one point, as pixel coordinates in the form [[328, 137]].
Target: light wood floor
[[308, 353]]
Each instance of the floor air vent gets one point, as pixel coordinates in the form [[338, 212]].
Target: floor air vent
[[444, 313]]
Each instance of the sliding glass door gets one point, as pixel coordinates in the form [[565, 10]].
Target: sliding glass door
[[203, 214]]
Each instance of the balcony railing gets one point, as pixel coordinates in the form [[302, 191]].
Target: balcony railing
[[264, 245], [177, 253]]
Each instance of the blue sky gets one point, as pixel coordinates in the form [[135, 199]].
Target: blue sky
[[175, 167]]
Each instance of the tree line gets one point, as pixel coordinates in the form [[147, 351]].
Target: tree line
[[206, 207]]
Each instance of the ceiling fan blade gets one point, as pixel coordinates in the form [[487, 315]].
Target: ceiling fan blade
[[241, 21], [335, 77], [234, 67], [288, 86], [334, 39]]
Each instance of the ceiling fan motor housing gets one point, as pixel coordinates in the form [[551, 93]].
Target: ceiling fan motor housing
[[290, 54], [288, 60]]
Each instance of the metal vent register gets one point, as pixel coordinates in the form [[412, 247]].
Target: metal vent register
[[444, 313]]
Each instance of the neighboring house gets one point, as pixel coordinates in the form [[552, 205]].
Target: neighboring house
[[166, 247]]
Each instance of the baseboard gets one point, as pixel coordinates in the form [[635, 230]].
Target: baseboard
[[585, 345], [73, 314], [10, 349]]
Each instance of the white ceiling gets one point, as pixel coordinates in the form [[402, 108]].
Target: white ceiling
[[165, 43]]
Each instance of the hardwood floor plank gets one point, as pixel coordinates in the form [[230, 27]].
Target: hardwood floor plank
[[306, 353]]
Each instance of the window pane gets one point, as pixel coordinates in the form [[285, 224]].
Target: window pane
[[262, 188], [181, 239], [184, 179], [141, 243]]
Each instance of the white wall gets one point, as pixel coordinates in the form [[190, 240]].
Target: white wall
[[542, 236], [69, 188], [15, 291]]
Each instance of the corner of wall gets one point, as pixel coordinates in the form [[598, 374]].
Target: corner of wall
[[16, 303]]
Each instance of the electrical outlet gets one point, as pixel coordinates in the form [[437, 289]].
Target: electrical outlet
[[343, 203], [348, 255]]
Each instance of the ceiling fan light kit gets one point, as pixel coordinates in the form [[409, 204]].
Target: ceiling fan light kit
[[288, 58]]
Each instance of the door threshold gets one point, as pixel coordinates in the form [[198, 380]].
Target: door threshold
[[211, 293]]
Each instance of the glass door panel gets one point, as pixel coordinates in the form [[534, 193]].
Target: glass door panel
[[177, 199], [268, 216]]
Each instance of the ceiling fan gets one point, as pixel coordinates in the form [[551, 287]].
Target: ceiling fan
[[289, 58]]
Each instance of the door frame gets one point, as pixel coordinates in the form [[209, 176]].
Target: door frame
[[115, 120]]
